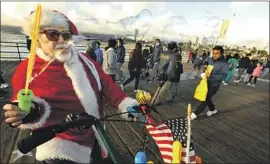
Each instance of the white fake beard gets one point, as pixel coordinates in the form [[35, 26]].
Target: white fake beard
[[63, 55]]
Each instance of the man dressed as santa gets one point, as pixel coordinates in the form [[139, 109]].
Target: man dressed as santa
[[64, 81]]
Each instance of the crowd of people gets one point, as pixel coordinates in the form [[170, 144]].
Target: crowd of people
[[239, 65]]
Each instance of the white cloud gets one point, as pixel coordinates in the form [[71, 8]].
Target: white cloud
[[240, 5], [102, 18]]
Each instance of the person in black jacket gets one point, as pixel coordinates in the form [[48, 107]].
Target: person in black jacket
[[28, 43], [251, 67], [167, 74], [121, 53], [242, 66], [134, 66], [177, 75], [91, 51]]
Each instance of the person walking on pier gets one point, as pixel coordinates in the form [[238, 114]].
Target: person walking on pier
[[168, 75], [242, 66], [109, 64], [121, 53], [3, 83], [255, 74], [214, 81], [232, 66], [156, 60], [135, 65]]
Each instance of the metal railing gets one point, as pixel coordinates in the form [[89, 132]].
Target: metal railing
[[19, 48]]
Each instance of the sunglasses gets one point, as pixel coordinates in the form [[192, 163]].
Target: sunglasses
[[53, 35]]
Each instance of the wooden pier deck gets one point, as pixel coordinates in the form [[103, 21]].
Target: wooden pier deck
[[239, 133]]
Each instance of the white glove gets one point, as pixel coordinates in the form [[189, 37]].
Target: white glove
[[203, 75]]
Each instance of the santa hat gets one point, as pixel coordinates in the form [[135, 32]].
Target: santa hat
[[50, 18]]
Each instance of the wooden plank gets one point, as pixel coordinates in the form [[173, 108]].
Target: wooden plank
[[127, 136], [240, 145], [119, 145], [24, 159], [8, 139], [237, 118], [262, 153], [206, 155]]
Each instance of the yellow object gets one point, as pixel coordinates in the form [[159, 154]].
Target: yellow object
[[198, 160], [188, 132], [177, 150], [150, 162], [201, 90], [143, 97], [224, 29], [209, 70], [25, 100], [33, 47]]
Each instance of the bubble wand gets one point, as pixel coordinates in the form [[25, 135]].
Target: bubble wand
[[188, 131], [26, 95]]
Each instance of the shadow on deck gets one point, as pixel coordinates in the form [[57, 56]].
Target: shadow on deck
[[239, 133]]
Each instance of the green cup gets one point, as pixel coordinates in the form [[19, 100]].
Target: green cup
[[25, 100]]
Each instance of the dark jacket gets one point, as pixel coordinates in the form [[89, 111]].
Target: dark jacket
[[251, 67], [168, 70], [177, 73], [28, 43], [221, 68], [244, 63], [135, 60], [91, 51], [121, 53]]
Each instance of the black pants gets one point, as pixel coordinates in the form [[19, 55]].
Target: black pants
[[212, 90], [2, 81], [136, 75], [112, 76], [255, 79]]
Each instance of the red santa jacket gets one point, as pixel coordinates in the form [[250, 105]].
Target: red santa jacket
[[65, 88]]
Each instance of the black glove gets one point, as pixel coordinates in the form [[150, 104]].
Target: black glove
[[34, 114], [72, 117]]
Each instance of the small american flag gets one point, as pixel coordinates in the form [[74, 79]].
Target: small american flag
[[172, 130]]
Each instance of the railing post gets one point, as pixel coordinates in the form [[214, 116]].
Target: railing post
[[18, 49]]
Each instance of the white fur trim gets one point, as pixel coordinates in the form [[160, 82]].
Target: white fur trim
[[42, 55], [44, 117], [63, 149], [93, 69], [127, 102], [48, 19], [81, 84]]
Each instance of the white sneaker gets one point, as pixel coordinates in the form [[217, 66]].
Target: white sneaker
[[248, 83], [210, 113], [225, 83], [193, 116], [253, 85], [236, 81], [122, 87], [4, 85]]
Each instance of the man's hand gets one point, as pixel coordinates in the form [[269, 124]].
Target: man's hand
[[14, 115]]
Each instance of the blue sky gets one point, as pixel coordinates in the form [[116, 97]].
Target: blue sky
[[250, 23]]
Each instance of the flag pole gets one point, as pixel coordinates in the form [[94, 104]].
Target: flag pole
[[188, 132]]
